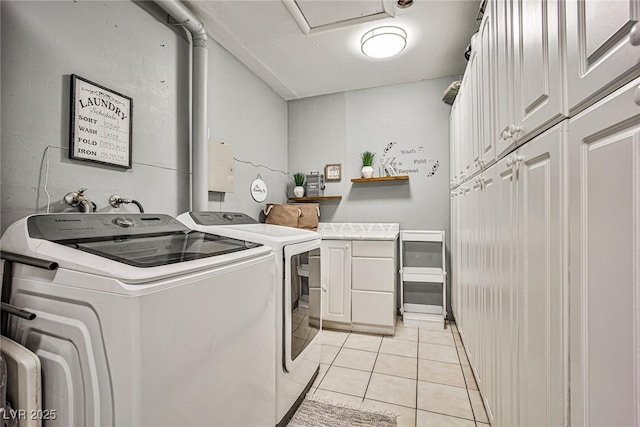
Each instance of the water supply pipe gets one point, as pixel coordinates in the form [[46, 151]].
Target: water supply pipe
[[199, 65]]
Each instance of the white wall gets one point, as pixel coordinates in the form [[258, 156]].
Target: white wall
[[337, 128], [245, 113], [127, 47]]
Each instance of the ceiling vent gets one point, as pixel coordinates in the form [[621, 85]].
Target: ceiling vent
[[313, 16]]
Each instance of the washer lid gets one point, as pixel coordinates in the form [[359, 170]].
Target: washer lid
[[140, 240]]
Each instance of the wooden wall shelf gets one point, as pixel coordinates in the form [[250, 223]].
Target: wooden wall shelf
[[314, 198], [382, 178]]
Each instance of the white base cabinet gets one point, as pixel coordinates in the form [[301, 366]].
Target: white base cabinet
[[359, 282]]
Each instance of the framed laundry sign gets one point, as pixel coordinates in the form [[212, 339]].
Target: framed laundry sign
[[100, 124]]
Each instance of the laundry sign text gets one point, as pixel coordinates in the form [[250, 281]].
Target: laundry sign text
[[100, 124]]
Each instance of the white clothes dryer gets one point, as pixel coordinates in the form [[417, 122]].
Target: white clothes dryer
[[145, 322], [298, 298]]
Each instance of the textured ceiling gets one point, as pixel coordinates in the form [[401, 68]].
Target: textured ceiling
[[265, 36]]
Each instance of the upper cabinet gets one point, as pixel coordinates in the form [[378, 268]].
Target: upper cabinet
[[538, 69], [486, 89], [600, 57], [504, 88]]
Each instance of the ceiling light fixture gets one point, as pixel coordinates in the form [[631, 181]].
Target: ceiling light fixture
[[383, 42]]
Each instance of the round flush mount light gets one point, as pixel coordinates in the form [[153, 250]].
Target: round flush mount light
[[403, 4], [383, 42]]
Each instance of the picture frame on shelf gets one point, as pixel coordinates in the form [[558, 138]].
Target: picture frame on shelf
[[333, 172]]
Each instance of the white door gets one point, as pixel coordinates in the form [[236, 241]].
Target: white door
[[541, 257], [506, 282], [504, 74], [538, 67], [486, 87], [463, 265], [599, 56], [475, 110], [453, 143], [487, 242], [604, 188], [336, 278]]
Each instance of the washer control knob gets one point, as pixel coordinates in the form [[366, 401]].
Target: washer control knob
[[123, 221], [227, 217]]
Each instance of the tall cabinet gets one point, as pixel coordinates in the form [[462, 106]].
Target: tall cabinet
[[604, 156], [546, 230]]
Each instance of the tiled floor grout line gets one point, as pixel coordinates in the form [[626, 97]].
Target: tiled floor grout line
[[473, 412], [372, 368]]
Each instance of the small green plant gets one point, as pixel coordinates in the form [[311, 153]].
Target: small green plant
[[367, 158], [298, 178]]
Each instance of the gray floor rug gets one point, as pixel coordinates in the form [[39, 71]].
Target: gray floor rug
[[314, 413]]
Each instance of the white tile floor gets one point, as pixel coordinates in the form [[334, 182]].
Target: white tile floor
[[421, 374]]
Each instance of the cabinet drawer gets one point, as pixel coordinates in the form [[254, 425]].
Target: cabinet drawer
[[374, 248], [373, 274], [373, 308]]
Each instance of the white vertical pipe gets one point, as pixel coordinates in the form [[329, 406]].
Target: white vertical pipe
[[199, 144], [199, 65]]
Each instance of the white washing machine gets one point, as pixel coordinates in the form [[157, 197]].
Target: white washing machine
[[145, 322], [298, 298]]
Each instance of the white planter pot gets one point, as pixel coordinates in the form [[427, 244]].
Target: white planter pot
[[367, 172], [298, 191]]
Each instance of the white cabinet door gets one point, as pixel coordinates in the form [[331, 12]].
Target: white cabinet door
[[604, 188], [504, 87], [538, 67], [486, 85], [475, 105], [506, 281], [541, 258], [465, 128], [453, 144], [463, 263], [488, 295], [600, 57], [336, 278]]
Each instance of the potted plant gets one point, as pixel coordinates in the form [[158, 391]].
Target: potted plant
[[367, 164], [298, 178]]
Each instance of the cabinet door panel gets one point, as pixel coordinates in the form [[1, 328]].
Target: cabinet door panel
[[604, 155], [374, 308], [600, 57], [538, 81], [336, 272], [504, 74], [373, 274], [486, 87], [488, 287], [542, 281], [506, 282]]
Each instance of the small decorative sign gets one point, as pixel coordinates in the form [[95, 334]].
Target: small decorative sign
[[259, 190], [100, 124], [333, 172]]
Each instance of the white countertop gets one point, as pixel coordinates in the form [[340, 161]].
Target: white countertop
[[359, 230]]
